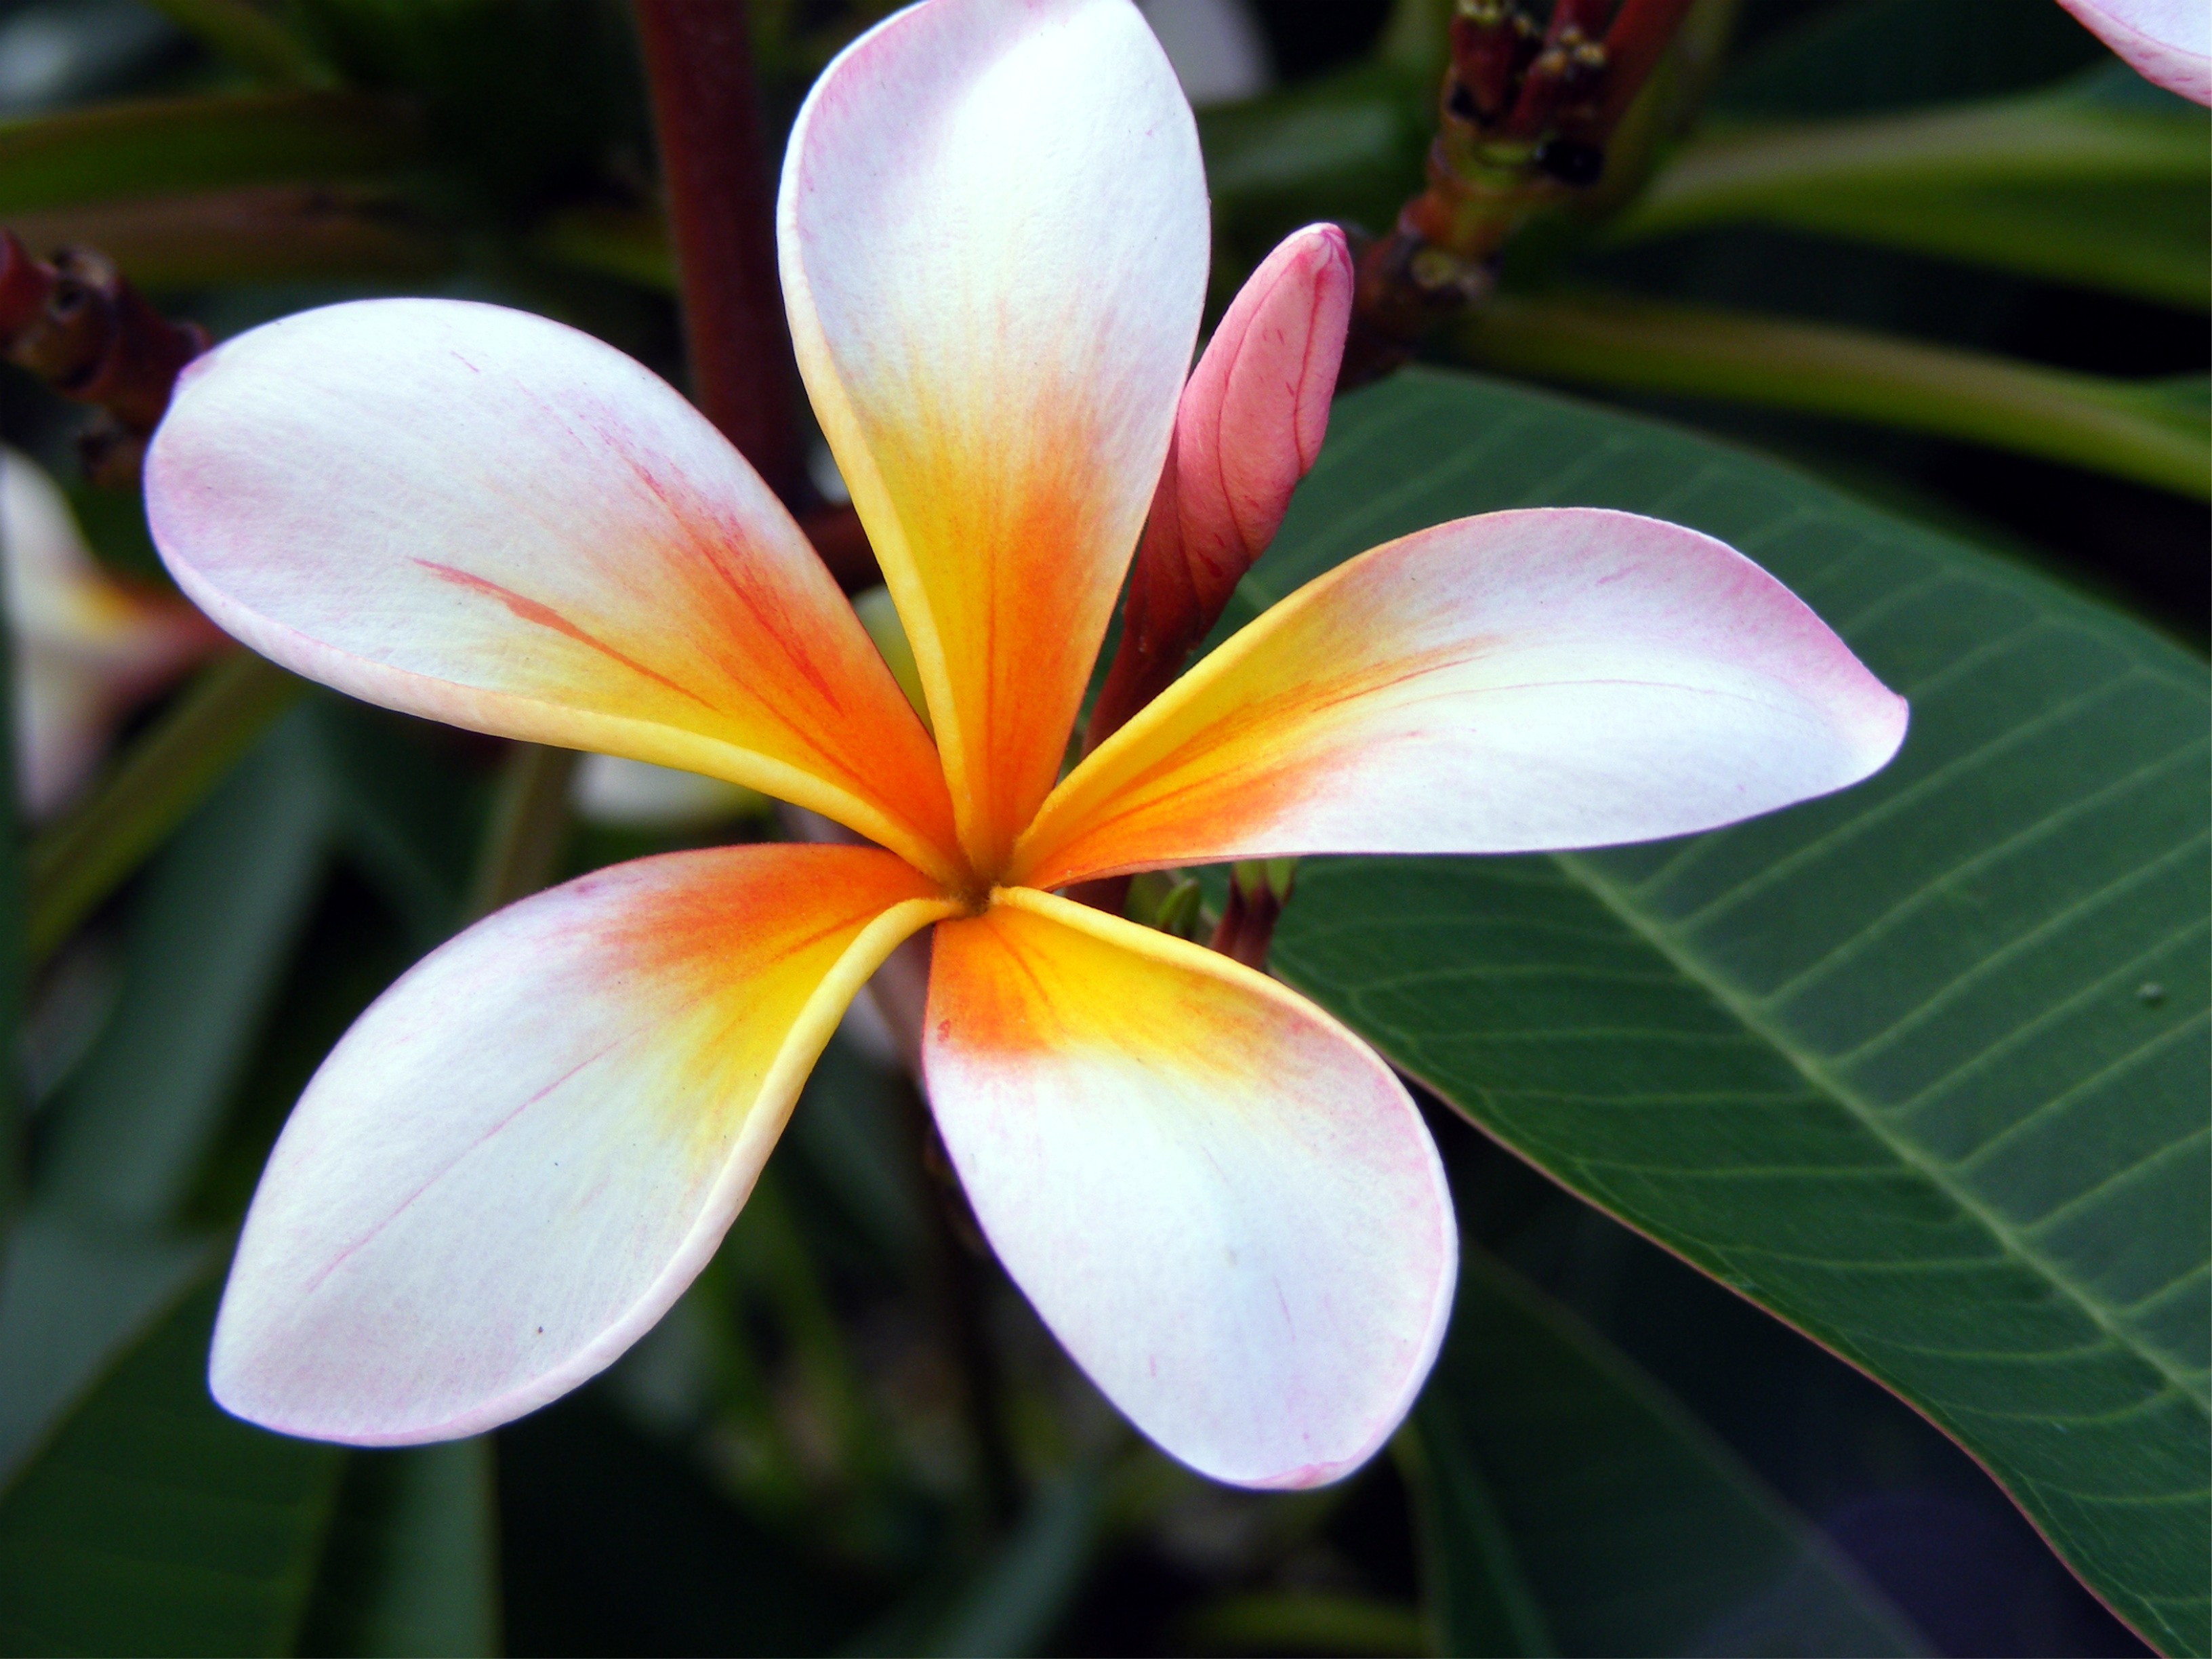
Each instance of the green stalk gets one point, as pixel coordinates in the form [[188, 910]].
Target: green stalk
[[1767, 171], [250, 38], [529, 827], [79, 860], [1628, 344]]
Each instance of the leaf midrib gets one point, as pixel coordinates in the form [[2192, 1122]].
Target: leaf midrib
[[1812, 1068]]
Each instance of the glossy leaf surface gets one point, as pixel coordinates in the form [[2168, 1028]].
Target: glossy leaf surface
[[153, 1523], [1920, 1068], [412, 1566], [1571, 1506]]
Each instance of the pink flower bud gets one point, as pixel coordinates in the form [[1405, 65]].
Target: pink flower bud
[[1248, 427]]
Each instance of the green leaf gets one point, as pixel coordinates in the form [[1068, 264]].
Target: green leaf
[[247, 34], [2075, 185], [1348, 146], [1305, 1621], [2132, 429], [413, 1562], [78, 860], [1009, 1601], [1920, 1068], [1569, 1506], [72, 1297], [260, 234], [153, 1523], [157, 147], [1894, 54], [215, 929]]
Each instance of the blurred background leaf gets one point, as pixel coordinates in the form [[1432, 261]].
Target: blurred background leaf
[[1569, 1507], [154, 1523]]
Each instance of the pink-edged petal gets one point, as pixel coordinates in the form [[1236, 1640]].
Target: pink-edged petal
[[488, 518], [1249, 426], [1222, 1202], [525, 1149], [993, 236], [2167, 41], [1550, 678]]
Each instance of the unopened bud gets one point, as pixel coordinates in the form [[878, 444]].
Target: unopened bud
[[1249, 426]]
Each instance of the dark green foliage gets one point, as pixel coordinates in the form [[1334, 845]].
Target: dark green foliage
[[155, 1524]]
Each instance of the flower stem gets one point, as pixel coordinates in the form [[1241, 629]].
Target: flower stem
[[78, 861], [2108, 426], [529, 827], [714, 175]]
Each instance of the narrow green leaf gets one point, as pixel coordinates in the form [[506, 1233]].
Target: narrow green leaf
[[214, 931], [1306, 1622], [1347, 147], [153, 1523], [1658, 346], [158, 147], [83, 857], [412, 1567], [260, 234], [1629, 1527], [14, 957], [1021, 1592], [73, 1296], [1921, 1068], [251, 37], [2060, 184], [528, 826], [1857, 57]]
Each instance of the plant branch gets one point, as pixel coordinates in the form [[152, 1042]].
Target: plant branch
[[93, 338], [715, 176], [2106, 426], [80, 859]]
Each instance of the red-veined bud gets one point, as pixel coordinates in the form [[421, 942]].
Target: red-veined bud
[[1248, 427]]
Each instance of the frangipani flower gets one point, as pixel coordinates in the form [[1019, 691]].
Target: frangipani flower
[[2166, 41], [993, 234], [86, 647]]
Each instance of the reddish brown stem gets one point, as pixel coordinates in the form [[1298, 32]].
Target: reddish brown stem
[[92, 337], [1246, 927], [714, 175], [1640, 33]]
